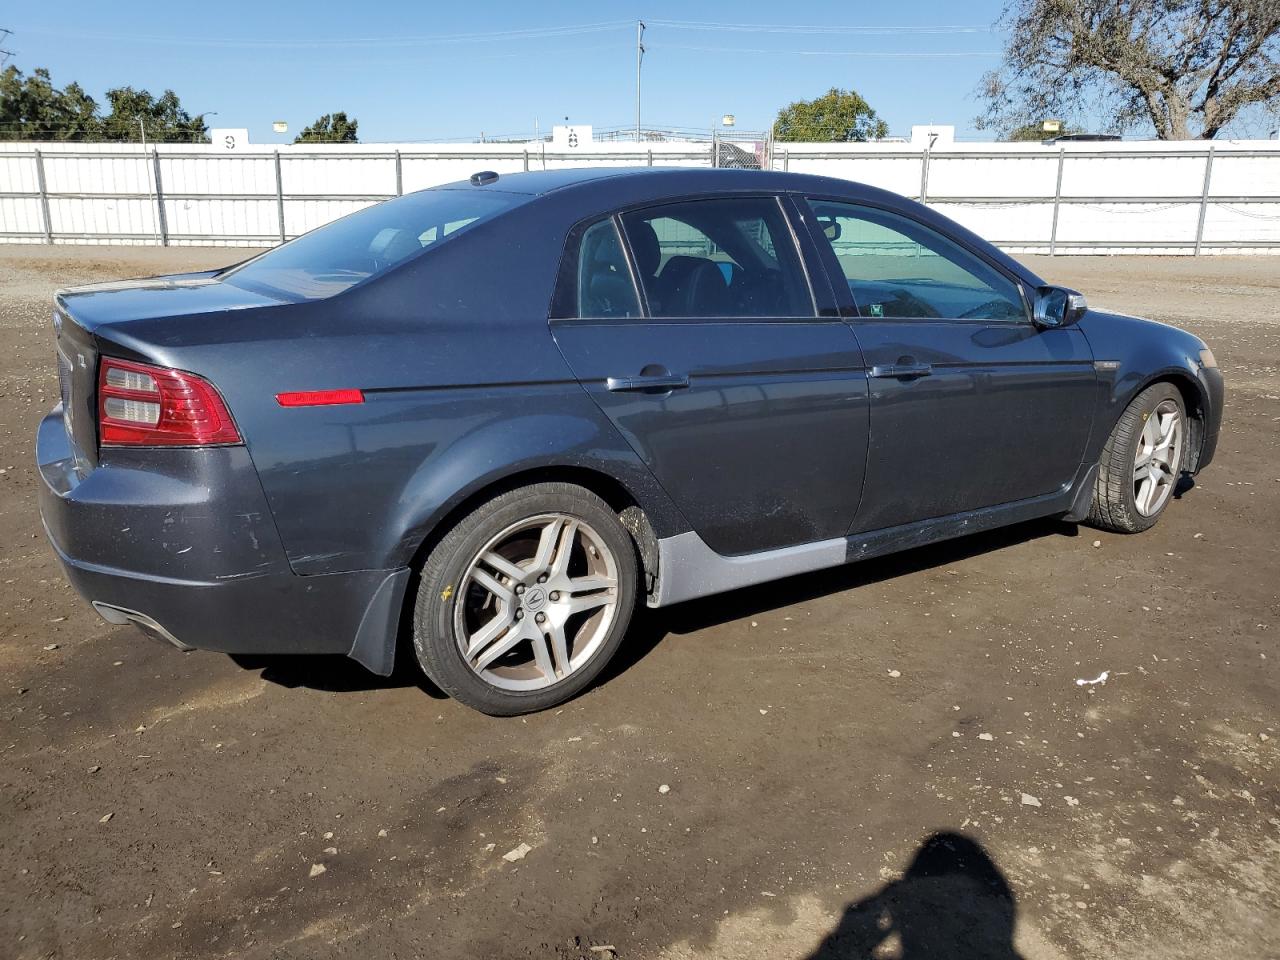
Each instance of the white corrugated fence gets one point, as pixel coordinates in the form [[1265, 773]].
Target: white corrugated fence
[[1138, 197]]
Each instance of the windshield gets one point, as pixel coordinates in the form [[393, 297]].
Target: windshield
[[339, 255]]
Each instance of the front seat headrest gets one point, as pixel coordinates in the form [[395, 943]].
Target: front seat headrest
[[644, 244]]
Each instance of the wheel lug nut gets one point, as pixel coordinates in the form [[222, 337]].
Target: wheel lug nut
[[541, 618], [520, 588], [542, 579], [519, 614], [555, 595]]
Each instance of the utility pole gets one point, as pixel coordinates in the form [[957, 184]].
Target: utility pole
[[5, 34], [639, 58], [150, 192]]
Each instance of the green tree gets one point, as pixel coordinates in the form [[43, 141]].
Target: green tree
[[163, 118], [330, 128], [32, 108], [837, 115], [1186, 67]]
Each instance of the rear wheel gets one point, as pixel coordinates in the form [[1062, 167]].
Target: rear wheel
[[1142, 462], [526, 599]]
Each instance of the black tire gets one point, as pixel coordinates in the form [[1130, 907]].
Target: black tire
[[433, 626], [1113, 505]]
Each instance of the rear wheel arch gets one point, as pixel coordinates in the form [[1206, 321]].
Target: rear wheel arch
[[524, 601], [632, 513]]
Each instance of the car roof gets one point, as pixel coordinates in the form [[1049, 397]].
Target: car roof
[[583, 192], [707, 179]]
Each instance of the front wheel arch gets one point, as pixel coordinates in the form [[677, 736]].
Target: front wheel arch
[[1195, 402]]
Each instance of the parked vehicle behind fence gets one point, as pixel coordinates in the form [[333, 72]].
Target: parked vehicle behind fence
[[506, 411]]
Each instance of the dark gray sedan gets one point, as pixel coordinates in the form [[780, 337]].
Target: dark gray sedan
[[490, 418]]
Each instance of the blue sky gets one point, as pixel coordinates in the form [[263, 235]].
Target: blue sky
[[432, 70]]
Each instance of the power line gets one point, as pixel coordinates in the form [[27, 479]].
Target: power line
[[823, 29], [531, 33], [874, 54]]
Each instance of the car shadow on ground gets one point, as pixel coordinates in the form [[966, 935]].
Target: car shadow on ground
[[339, 674], [335, 673], [952, 902], [651, 626]]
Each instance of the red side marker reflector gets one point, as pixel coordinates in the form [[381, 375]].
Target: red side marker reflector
[[319, 398]]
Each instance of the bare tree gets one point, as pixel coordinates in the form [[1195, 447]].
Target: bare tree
[[1187, 67]]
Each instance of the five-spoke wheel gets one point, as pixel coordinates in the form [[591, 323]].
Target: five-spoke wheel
[[1142, 461], [524, 601], [536, 602], [1158, 458]]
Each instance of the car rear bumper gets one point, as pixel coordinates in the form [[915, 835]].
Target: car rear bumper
[[181, 543]]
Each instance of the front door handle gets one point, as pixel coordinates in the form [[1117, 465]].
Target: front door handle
[[655, 382], [901, 371]]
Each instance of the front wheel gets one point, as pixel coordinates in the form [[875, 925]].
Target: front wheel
[[1141, 462], [523, 603]]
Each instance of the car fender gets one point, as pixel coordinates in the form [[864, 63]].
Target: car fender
[[1132, 353], [574, 437]]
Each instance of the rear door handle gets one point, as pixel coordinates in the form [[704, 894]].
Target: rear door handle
[[901, 371], [667, 381]]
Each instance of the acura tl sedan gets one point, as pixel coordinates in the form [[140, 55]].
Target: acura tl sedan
[[478, 424]]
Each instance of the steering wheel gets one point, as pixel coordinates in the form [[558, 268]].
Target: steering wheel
[[999, 307]]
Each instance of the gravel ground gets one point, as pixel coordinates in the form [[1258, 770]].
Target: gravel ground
[[894, 759]]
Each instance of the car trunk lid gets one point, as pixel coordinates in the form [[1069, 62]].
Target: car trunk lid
[[104, 319], [77, 387]]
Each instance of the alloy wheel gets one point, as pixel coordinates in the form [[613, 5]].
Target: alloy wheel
[[536, 602], [1158, 458]]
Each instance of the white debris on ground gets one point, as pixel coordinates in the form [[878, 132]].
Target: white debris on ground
[[1099, 679], [519, 853]]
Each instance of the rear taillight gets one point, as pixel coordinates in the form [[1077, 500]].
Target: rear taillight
[[147, 406]]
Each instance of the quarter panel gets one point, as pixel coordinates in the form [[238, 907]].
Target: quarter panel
[[362, 485]]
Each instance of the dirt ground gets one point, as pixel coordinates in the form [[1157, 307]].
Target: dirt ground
[[764, 775]]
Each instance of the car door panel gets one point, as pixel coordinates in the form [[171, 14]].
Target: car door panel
[[754, 424], [1003, 415], [972, 405], [765, 447]]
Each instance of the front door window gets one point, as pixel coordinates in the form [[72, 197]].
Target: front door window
[[900, 269]]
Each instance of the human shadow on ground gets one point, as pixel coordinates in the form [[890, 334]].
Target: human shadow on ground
[[952, 902]]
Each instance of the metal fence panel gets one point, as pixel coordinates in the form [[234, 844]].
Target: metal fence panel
[[1116, 197]]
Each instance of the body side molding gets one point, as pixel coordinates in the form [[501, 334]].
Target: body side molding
[[688, 568]]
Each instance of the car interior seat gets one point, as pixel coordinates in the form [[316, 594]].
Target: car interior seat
[[693, 287]]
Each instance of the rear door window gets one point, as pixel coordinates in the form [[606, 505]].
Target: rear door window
[[605, 289], [723, 257]]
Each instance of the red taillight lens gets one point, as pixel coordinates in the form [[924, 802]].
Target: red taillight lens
[[146, 406]]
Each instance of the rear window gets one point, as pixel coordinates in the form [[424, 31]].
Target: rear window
[[341, 254]]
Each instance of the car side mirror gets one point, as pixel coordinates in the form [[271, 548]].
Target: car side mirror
[[1057, 307]]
